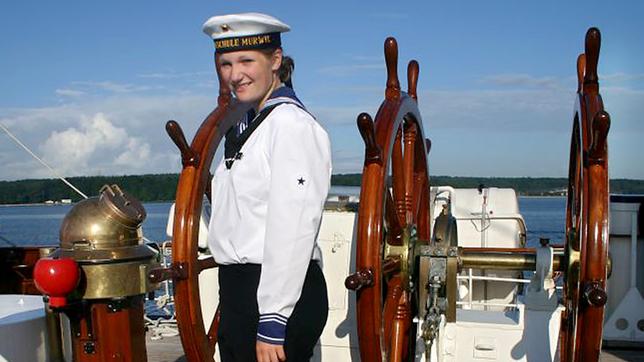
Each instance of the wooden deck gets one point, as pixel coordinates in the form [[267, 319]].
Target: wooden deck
[[169, 349], [617, 355]]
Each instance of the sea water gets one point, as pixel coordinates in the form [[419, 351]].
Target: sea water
[[37, 225]]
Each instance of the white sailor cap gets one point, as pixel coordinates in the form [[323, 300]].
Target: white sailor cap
[[244, 31]]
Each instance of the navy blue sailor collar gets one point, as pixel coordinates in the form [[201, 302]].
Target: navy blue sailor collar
[[283, 94], [237, 136]]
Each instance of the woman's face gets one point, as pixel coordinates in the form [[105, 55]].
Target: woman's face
[[251, 74]]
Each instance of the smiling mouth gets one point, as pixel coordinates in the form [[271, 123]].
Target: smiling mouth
[[241, 86]]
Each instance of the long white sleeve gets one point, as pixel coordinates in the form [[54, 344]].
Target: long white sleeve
[[300, 171]]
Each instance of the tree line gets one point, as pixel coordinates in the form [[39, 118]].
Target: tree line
[[162, 187], [528, 186]]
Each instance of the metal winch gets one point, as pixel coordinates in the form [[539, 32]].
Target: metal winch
[[98, 277]]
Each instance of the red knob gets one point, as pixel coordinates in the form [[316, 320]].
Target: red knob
[[56, 278]]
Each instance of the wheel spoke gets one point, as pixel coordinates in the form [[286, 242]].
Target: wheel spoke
[[392, 222], [390, 266], [419, 185], [207, 263], [575, 186], [400, 330], [212, 331], [408, 169], [398, 177], [568, 328], [394, 292], [569, 325]]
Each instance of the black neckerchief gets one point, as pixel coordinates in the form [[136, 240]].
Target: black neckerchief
[[234, 142]]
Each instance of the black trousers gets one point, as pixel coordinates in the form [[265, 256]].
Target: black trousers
[[240, 315]]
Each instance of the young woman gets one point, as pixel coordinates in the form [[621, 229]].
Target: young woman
[[268, 194]]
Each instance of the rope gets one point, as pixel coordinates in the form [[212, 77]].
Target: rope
[[15, 139]]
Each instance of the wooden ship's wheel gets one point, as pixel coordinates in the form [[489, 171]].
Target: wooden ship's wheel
[[586, 215], [194, 183], [393, 234], [393, 215]]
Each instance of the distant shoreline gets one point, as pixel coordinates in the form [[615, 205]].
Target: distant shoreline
[[36, 204], [169, 201], [75, 202], [162, 187], [542, 196]]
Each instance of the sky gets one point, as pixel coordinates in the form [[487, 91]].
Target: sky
[[88, 86]]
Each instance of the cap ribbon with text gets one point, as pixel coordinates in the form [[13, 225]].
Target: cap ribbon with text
[[261, 41]]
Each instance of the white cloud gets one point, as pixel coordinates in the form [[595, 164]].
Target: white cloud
[[498, 132], [522, 81], [174, 75], [471, 109], [69, 93], [330, 116], [348, 162], [620, 77], [122, 134], [502, 111], [73, 148], [136, 154], [344, 70], [113, 87]]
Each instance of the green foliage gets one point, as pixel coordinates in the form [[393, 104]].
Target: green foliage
[[352, 179], [162, 187], [143, 187], [624, 186], [523, 185]]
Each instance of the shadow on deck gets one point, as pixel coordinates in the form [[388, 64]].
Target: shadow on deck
[[169, 349]]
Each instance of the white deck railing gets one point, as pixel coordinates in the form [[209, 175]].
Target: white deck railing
[[470, 278]]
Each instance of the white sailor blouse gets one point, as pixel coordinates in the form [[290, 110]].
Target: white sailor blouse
[[267, 207]]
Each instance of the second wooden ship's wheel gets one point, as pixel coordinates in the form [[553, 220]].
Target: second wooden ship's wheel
[[393, 215], [394, 243], [586, 253]]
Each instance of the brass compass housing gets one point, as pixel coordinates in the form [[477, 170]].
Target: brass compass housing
[[103, 234]]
